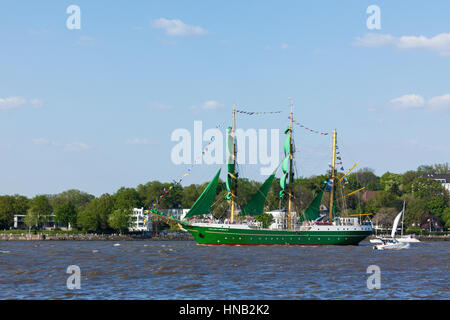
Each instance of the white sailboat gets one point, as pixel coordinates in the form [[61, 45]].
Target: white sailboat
[[406, 238], [402, 238], [393, 243]]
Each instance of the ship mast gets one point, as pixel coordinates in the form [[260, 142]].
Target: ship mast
[[291, 160], [333, 163], [233, 177]]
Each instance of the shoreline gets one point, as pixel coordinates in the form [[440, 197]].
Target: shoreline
[[93, 237], [141, 237]]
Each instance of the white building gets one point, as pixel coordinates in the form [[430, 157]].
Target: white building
[[140, 220], [50, 224], [177, 213], [280, 219], [444, 179]]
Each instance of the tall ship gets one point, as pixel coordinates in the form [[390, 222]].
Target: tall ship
[[312, 227]]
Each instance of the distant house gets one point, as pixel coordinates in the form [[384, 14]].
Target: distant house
[[140, 220], [444, 179], [433, 223], [50, 224]]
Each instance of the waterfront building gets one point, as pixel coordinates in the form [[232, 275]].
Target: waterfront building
[[444, 179], [280, 220], [50, 224], [140, 220]]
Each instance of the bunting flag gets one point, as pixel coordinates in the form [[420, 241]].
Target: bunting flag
[[188, 171], [339, 157], [257, 113], [309, 129]]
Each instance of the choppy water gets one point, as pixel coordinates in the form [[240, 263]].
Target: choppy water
[[183, 270]]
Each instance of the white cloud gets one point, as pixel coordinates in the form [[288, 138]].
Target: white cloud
[[11, 103], [137, 141], [439, 43], [72, 146], [208, 105], [17, 102], [177, 27], [41, 141], [408, 101], [440, 102], [76, 146], [414, 101], [375, 40]]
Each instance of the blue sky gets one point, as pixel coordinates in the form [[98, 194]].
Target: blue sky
[[94, 108]]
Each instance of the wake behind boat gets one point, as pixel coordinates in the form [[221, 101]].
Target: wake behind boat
[[391, 244]]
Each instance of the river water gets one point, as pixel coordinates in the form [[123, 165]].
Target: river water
[[183, 270]]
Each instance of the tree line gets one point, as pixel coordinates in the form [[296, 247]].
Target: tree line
[[383, 197]]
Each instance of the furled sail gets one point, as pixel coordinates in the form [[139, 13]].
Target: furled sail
[[203, 205], [396, 221], [230, 162], [255, 206], [285, 164], [312, 211]]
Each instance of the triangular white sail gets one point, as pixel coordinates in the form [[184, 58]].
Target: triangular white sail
[[396, 221]]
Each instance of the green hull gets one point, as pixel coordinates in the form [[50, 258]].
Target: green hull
[[230, 236]]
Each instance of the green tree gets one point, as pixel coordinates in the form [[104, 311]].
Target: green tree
[[78, 198], [7, 212], [439, 168], [120, 220], [66, 214], [415, 212], [127, 198], [446, 217], [189, 195], [95, 216], [364, 177], [390, 182], [39, 211], [425, 188], [266, 219]]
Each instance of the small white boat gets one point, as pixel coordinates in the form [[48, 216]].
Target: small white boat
[[391, 244], [402, 239]]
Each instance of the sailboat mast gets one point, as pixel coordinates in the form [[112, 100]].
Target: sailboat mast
[[333, 163], [233, 184], [403, 215], [291, 160]]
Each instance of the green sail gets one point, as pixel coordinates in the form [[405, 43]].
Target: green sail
[[255, 206], [312, 212], [287, 145], [230, 162], [203, 204]]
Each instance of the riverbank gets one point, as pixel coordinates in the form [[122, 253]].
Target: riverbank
[[94, 237], [421, 237], [178, 236]]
